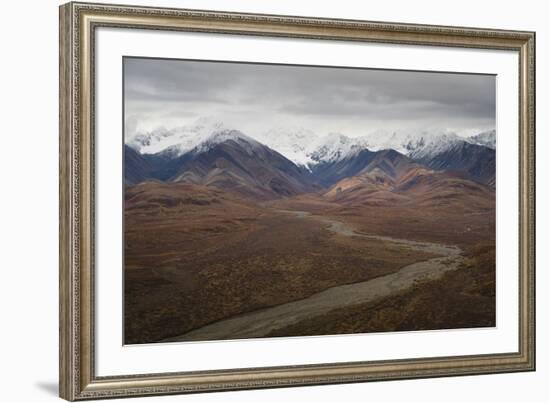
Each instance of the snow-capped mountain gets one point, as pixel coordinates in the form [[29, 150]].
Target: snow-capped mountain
[[431, 145], [336, 147], [413, 144], [176, 141], [475, 160], [327, 157], [306, 148], [207, 142], [426, 144], [487, 139], [444, 151], [226, 159], [309, 149], [296, 144], [141, 141]]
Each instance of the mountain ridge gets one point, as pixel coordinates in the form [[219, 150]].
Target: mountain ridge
[[225, 157], [305, 147]]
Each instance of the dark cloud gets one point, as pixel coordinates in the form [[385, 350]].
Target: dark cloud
[[156, 89]]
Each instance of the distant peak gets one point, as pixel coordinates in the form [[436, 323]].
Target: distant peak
[[224, 136], [486, 138]]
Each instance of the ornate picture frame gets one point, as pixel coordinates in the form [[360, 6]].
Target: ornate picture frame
[[78, 25]]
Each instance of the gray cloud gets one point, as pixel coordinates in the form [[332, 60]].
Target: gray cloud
[[255, 96]]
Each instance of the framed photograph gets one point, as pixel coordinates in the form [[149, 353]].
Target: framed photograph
[[254, 201]]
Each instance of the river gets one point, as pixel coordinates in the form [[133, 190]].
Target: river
[[262, 322]]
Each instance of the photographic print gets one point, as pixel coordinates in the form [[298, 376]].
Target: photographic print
[[271, 200], [328, 193]]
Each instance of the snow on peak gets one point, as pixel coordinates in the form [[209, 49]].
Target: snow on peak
[[487, 139], [141, 141], [307, 148], [300, 145], [430, 145], [412, 144], [336, 147], [176, 141], [296, 144], [225, 135]]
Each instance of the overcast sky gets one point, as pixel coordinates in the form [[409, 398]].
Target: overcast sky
[[258, 97]]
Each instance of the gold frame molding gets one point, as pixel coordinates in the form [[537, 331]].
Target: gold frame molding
[[78, 22]]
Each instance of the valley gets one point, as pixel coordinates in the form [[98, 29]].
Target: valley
[[263, 322], [231, 239]]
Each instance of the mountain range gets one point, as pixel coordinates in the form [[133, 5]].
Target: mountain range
[[281, 163]]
